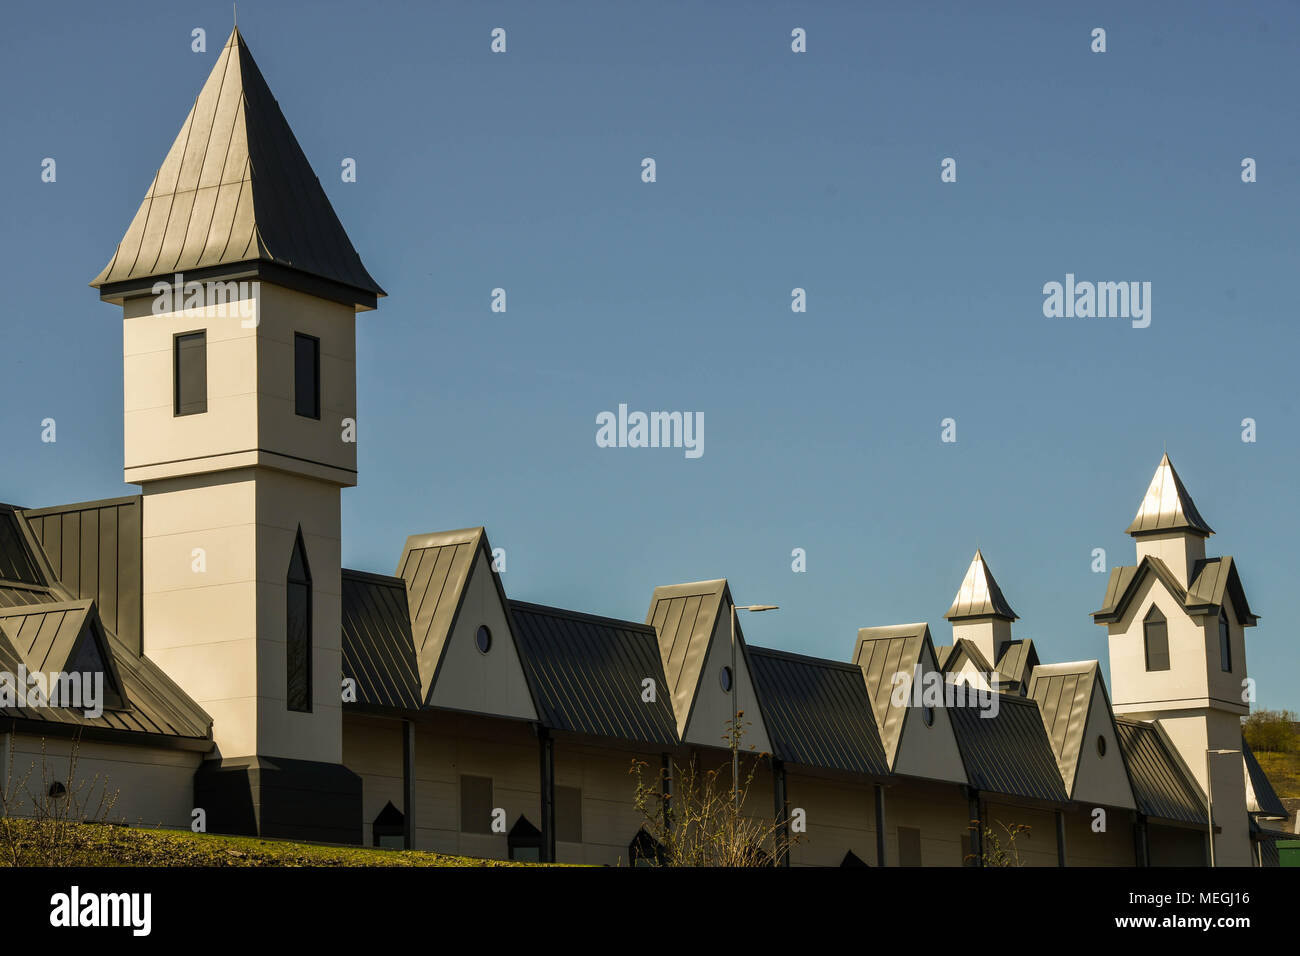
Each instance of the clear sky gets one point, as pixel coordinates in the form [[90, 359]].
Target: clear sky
[[775, 170]]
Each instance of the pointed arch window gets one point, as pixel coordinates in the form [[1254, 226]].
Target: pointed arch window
[[298, 628], [1155, 635], [1225, 641]]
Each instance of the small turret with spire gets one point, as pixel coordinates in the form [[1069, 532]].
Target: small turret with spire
[[980, 612]]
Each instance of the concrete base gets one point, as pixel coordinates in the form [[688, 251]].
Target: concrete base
[[279, 797]]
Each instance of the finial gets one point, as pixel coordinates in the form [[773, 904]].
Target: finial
[[235, 8]]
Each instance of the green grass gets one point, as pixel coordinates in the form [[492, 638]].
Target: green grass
[[106, 845], [1283, 771]]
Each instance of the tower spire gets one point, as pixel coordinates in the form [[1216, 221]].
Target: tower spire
[[1167, 506]]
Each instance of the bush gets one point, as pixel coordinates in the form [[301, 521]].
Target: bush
[[1273, 731]]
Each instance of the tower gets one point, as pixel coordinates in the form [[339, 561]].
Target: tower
[[240, 289], [1176, 625], [980, 613]]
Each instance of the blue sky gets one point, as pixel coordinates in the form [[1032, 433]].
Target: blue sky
[[775, 171]]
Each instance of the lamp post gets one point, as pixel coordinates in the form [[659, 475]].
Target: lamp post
[[735, 744], [1209, 797]]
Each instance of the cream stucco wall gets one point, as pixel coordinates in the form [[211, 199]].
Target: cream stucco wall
[[1099, 779], [1178, 550], [220, 632], [710, 718], [491, 683], [928, 751]]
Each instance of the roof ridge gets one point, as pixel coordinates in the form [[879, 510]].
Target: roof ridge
[[551, 610]]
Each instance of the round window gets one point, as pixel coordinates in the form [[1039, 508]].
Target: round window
[[724, 678], [483, 639], [1101, 746], [58, 790], [928, 714]]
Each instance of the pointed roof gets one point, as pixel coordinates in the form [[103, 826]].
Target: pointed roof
[[236, 190], [979, 595], [1167, 506]]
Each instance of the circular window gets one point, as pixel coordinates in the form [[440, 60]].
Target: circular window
[[57, 790], [483, 639], [1101, 746], [927, 713], [724, 678]]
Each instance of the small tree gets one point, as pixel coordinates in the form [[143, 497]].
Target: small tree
[[702, 821], [55, 807], [994, 853]]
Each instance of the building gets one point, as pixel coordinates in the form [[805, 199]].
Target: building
[[253, 683]]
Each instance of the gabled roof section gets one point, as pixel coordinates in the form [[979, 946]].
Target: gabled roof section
[[1162, 786], [951, 658], [436, 568], [1167, 506], [684, 617], [1064, 696], [236, 190], [378, 651], [1261, 798], [1214, 580], [979, 595], [818, 712], [56, 637], [17, 563], [1008, 752], [586, 673], [1018, 660], [880, 653]]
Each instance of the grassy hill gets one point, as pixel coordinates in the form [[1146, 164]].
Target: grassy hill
[[27, 843]]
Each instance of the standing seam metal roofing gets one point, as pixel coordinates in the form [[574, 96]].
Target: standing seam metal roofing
[[587, 673], [378, 652], [1161, 788], [236, 188], [1008, 753], [817, 712], [880, 654], [1064, 696]]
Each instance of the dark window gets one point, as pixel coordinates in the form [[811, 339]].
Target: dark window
[[524, 841], [89, 659], [1101, 745], [483, 639], [298, 628], [476, 804], [389, 828], [306, 375], [852, 859], [190, 373], [1225, 641], [927, 714], [724, 678], [909, 846], [568, 814], [1155, 633]]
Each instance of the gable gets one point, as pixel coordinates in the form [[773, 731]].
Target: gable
[[466, 678], [684, 617], [710, 712], [922, 750], [1101, 779], [62, 638], [436, 569]]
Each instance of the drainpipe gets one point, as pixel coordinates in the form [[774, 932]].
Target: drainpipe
[[1060, 838], [408, 784], [547, 748], [779, 796], [880, 825]]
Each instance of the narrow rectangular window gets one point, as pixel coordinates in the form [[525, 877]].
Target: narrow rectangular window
[[475, 804], [909, 846], [568, 814], [190, 373], [306, 375]]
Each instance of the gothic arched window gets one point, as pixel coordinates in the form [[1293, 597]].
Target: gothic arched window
[[298, 628], [1155, 634]]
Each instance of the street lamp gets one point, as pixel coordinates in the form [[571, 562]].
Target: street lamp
[[735, 747], [1209, 797]]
